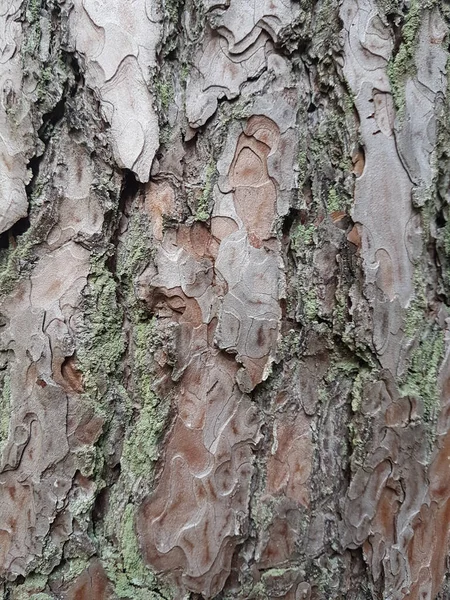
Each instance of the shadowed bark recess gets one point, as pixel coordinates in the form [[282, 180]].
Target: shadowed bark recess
[[224, 300]]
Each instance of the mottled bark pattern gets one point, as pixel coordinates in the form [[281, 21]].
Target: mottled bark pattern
[[224, 292]]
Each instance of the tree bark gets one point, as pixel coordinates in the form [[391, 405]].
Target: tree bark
[[224, 292]]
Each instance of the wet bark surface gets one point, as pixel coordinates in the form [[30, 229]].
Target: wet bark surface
[[224, 292]]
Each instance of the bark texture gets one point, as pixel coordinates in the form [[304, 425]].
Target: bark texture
[[224, 299]]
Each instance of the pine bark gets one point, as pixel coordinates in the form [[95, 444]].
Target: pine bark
[[224, 299]]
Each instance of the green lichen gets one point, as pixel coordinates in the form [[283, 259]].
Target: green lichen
[[101, 344], [326, 32], [256, 592], [302, 239], [390, 7], [202, 212], [427, 341], [172, 8], [277, 572], [164, 93], [310, 304], [360, 433], [329, 150], [302, 166], [184, 71], [333, 203], [33, 10], [15, 263], [67, 571], [145, 419], [417, 308], [302, 236], [33, 37], [347, 376], [339, 314], [43, 84], [357, 390], [422, 376], [141, 447], [402, 65], [43, 62], [201, 215], [32, 587], [442, 155], [125, 568], [443, 246], [5, 404], [139, 574], [263, 509], [446, 239], [147, 414], [327, 576], [356, 441], [288, 345], [341, 368], [40, 187], [230, 112], [74, 567], [134, 253], [265, 588]]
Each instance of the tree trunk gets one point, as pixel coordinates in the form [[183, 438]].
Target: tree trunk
[[224, 291]]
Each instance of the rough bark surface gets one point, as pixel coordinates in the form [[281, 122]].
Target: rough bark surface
[[224, 299]]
